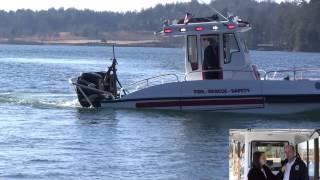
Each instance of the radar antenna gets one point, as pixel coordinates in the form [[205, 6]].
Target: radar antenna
[[212, 8]]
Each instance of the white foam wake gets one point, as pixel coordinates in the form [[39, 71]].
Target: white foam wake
[[39, 100]]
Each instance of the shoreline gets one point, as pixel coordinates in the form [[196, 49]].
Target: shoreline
[[88, 43], [155, 44]]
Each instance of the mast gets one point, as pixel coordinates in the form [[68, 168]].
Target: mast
[[212, 8]]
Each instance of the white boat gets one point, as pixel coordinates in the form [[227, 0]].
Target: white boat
[[244, 142], [219, 76]]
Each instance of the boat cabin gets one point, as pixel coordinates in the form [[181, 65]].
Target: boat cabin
[[244, 142], [215, 49]]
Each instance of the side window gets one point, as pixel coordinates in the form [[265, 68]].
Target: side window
[[192, 52], [244, 43], [230, 46]]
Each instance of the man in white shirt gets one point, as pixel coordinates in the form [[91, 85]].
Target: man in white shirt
[[294, 168]]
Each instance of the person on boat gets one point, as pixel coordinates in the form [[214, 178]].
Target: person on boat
[[293, 167], [211, 63], [259, 170]]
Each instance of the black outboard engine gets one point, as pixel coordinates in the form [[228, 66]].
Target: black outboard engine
[[93, 81], [94, 87]]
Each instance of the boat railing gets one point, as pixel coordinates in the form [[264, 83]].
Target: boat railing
[[221, 70], [293, 74], [152, 81], [290, 74]]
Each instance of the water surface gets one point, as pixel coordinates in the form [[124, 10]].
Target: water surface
[[46, 135]]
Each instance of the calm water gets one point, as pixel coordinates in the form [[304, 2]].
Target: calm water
[[44, 134]]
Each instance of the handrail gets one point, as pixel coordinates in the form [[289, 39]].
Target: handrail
[[294, 71], [218, 70], [147, 80], [264, 75]]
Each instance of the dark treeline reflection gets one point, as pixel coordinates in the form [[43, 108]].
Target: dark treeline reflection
[[291, 25]]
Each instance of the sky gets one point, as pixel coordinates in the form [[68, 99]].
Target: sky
[[98, 5]]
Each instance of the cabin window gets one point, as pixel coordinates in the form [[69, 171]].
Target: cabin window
[[236, 157], [230, 46], [311, 162], [303, 151], [192, 52], [319, 153], [210, 52], [273, 150], [243, 42]]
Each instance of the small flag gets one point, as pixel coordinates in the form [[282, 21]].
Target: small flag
[[187, 18]]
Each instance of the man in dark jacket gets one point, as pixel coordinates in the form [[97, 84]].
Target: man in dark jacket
[[293, 167], [211, 60]]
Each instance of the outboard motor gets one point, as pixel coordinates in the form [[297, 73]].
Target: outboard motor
[[94, 87], [94, 82]]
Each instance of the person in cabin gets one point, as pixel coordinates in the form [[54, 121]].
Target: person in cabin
[[211, 60], [259, 170], [293, 167]]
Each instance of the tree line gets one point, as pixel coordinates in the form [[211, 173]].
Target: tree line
[[289, 25]]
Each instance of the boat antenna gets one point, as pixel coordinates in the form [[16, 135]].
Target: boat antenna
[[114, 63], [212, 8], [113, 53]]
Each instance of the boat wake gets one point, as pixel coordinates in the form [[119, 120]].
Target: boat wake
[[39, 100]]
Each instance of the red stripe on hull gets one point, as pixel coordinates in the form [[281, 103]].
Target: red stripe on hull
[[200, 103]]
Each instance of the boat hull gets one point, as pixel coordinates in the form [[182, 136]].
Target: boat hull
[[241, 107], [261, 97]]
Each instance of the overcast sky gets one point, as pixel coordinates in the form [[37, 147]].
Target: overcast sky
[[99, 5]]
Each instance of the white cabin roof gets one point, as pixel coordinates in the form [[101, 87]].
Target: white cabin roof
[[299, 135], [198, 28]]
